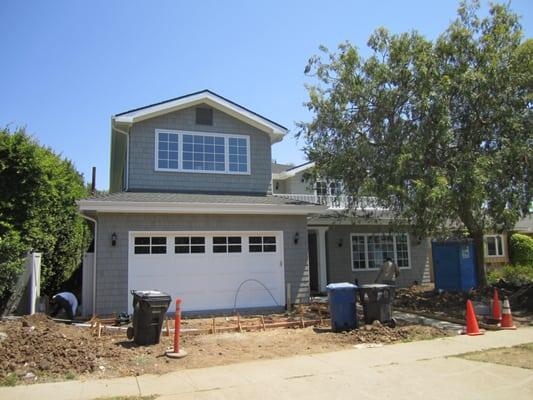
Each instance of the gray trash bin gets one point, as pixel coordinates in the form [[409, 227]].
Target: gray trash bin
[[377, 299], [149, 309]]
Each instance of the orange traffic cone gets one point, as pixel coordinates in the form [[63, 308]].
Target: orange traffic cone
[[496, 311], [507, 318], [472, 328]]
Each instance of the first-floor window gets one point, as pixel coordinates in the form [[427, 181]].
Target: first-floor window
[[370, 251], [150, 245], [494, 246]]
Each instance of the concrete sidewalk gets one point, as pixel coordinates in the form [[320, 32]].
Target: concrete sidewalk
[[416, 370]]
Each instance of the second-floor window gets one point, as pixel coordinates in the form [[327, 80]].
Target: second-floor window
[[202, 152]]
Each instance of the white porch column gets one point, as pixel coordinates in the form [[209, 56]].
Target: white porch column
[[321, 255]]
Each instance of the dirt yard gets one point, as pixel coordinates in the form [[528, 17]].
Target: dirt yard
[[517, 356], [423, 298], [36, 349]]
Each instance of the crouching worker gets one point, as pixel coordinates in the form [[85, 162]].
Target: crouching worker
[[388, 273], [66, 301]]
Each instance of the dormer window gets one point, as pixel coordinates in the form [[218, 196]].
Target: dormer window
[[202, 152], [204, 116]]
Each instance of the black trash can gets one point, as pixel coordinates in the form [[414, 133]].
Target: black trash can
[[149, 309], [342, 306], [377, 303]]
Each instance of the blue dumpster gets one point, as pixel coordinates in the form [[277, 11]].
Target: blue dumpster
[[454, 265], [342, 301]]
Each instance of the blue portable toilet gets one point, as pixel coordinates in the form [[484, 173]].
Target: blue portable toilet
[[454, 265]]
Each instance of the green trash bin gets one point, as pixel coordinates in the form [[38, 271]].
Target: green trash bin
[[149, 309], [377, 299]]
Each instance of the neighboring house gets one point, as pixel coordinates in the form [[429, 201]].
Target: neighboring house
[[497, 246], [188, 211], [344, 249]]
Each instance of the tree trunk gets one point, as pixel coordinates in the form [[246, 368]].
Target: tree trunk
[[480, 259]]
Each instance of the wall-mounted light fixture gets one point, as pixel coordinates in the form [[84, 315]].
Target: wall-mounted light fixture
[[113, 239], [296, 238], [340, 242]]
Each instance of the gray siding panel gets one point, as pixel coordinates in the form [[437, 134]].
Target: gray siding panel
[[112, 262], [142, 173], [339, 258]]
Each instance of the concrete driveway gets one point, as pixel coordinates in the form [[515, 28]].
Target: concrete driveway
[[417, 370]]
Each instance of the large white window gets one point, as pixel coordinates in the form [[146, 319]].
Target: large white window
[[202, 152], [369, 251], [494, 246]]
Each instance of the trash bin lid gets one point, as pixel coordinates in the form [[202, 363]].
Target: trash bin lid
[[374, 286], [149, 293], [341, 285]]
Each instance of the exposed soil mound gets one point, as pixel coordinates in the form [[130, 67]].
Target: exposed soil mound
[[38, 344]]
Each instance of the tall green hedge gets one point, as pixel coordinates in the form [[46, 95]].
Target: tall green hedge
[[38, 191], [521, 249]]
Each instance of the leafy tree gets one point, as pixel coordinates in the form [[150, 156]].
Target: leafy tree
[[438, 132], [38, 190]]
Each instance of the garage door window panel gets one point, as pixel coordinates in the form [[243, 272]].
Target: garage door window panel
[[262, 244], [189, 245], [150, 245], [227, 244]]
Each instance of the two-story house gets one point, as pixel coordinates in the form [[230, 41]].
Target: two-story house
[[188, 212]]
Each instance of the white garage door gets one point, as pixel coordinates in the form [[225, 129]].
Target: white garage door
[[205, 269]]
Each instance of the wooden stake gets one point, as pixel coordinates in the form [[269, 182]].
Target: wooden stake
[[167, 326], [99, 328], [302, 322], [263, 323], [214, 327], [239, 322]]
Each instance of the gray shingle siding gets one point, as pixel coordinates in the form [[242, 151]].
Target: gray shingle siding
[[142, 174], [112, 262], [339, 258]]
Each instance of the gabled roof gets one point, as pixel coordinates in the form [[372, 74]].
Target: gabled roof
[[275, 130], [278, 168], [293, 170]]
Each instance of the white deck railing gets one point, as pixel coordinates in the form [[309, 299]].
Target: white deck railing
[[340, 202]]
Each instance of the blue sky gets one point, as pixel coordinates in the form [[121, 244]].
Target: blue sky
[[69, 65]]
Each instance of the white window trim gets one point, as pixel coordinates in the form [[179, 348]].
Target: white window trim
[[180, 168], [486, 245], [366, 235]]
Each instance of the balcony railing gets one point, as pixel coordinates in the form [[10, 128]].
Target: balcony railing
[[340, 202]]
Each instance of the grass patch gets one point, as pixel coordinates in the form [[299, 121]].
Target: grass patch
[[517, 356], [9, 380], [70, 376]]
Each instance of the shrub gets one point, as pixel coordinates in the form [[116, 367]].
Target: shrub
[[521, 249], [38, 211], [516, 275]]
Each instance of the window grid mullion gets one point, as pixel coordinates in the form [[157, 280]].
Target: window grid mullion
[[366, 252], [226, 154], [394, 249]]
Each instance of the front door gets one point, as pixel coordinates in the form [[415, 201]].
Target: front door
[[313, 263]]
